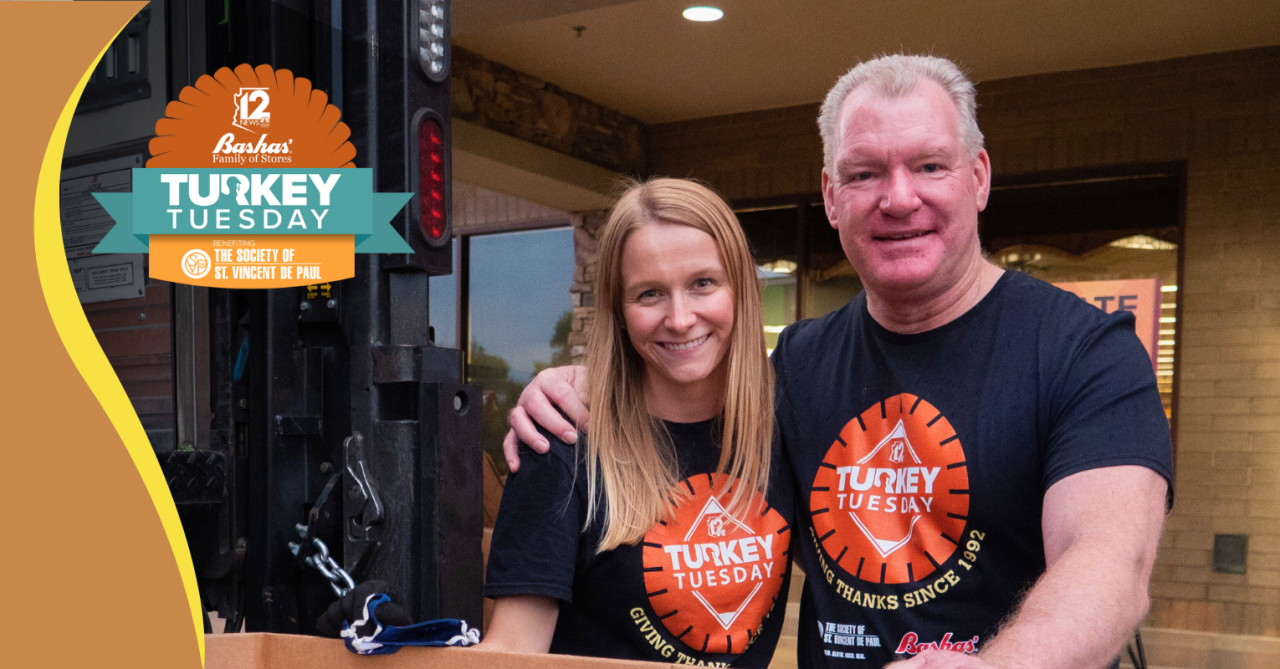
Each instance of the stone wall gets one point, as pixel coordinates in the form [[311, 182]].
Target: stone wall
[[512, 102], [747, 156], [1220, 116]]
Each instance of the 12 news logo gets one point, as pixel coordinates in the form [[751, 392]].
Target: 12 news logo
[[251, 109]]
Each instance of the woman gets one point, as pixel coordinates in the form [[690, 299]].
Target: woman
[[654, 539]]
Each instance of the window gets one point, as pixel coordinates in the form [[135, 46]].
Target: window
[[1128, 274], [517, 315], [771, 233], [801, 267], [1093, 235], [443, 305], [829, 279]]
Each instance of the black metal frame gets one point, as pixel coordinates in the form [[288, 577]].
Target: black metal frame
[[346, 418]]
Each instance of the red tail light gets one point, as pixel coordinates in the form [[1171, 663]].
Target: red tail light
[[431, 181]]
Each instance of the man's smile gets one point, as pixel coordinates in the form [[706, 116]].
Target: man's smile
[[900, 236]]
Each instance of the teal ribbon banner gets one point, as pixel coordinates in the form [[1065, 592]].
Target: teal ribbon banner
[[171, 201]]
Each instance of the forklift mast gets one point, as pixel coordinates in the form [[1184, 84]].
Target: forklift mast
[[335, 424]]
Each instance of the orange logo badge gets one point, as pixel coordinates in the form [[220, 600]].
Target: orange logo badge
[[891, 498], [227, 120], [251, 118], [713, 578]]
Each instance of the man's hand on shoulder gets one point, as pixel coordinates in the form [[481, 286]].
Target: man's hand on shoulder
[[941, 659], [550, 392]]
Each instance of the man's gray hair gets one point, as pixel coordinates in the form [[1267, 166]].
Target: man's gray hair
[[894, 76]]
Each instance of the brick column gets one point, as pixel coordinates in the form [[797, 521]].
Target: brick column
[[586, 253]]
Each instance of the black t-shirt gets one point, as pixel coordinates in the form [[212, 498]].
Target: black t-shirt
[[701, 588], [921, 461]]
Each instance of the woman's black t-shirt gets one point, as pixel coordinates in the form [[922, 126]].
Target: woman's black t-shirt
[[702, 587]]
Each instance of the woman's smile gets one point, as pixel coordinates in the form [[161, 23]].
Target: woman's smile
[[672, 346]]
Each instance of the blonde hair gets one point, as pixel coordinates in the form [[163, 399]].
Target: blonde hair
[[894, 76], [631, 463]]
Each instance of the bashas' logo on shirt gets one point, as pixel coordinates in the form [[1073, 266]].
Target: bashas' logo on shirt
[[712, 578], [891, 498], [251, 109], [195, 263], [911, 645]]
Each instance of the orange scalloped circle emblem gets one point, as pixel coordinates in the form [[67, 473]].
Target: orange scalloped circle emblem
[[253, 105], [252, 118]]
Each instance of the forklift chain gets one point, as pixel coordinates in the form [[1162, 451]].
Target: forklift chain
[[339, 580]]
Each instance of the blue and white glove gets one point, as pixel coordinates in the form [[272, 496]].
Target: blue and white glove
[[370, 623]]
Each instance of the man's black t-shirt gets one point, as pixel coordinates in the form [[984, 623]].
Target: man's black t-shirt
[[702, 587], [921, 461]]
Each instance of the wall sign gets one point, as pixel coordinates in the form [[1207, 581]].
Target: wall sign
[[84, 223]]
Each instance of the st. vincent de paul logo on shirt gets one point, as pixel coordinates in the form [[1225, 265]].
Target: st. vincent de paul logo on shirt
[[891, 498], [712, 578]]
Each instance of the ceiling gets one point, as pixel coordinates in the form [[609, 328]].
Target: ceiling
[[643, 59]]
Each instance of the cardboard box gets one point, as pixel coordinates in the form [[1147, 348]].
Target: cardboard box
[[290, 651]]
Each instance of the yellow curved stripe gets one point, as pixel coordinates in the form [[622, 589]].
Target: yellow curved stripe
[[82, 345]]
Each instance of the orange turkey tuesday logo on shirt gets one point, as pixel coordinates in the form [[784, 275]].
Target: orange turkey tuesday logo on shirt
[[891, 497], [712, 578]]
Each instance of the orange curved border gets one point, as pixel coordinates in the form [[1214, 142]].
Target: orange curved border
[[80, 342]]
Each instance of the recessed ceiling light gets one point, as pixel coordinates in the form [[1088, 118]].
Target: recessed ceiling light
[[704, 13]]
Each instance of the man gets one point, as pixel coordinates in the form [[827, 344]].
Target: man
[[983, 459]]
